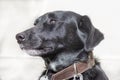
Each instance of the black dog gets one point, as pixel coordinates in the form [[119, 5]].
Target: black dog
[[61, 38]]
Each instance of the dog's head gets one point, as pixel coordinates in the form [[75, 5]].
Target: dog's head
[[59, 31]]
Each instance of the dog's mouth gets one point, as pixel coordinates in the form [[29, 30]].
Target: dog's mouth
[[37, 51]]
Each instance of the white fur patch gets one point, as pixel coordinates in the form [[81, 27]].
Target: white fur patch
[[44, 78], [33, 52], [53, 65]]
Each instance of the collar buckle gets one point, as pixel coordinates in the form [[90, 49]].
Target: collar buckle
[[77, 75]]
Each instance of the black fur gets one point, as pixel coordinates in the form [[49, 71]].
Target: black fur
[[62, 38]]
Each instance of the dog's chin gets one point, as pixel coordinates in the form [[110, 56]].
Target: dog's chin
[[36, 52]]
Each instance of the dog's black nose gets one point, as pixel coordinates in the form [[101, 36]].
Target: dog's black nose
[[20, 38]]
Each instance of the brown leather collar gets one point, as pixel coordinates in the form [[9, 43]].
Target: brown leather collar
[[69, 72]]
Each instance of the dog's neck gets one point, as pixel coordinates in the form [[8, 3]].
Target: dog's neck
[[59, 61]]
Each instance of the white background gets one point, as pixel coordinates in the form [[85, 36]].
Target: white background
[[18, 15]]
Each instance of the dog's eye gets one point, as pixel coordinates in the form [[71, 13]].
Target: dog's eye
[[52, 21]]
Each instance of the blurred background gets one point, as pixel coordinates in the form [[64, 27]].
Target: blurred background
[[18, 15]]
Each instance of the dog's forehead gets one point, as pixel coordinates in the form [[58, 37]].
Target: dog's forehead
[[59, 15], [56, 15]]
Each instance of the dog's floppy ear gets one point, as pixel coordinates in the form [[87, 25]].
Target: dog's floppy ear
[[91, 36]]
